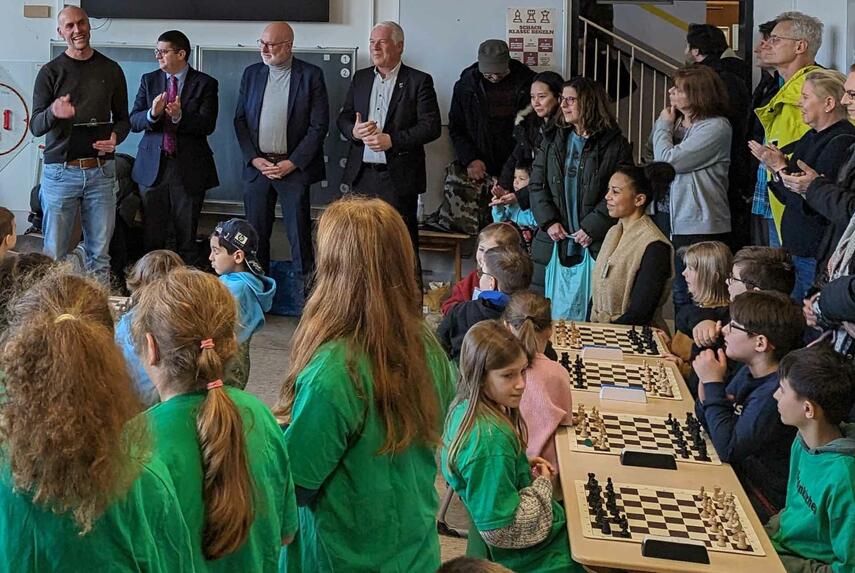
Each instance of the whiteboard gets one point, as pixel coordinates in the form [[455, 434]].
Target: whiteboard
[[441, 37]]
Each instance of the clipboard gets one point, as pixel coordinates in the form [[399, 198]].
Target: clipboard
[[83, 135]]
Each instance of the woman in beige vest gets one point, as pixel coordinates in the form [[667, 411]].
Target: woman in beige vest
[[635, 267]]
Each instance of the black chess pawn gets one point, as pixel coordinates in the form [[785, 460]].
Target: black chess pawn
[[606, 527], [624, 528], [670, 420], [702, 452], [610, 487], [684, 451], [600, 517]]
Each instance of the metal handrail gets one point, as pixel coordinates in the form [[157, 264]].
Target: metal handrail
[[635, 121]]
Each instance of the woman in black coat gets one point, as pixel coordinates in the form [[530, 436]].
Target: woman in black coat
[[569, 181]]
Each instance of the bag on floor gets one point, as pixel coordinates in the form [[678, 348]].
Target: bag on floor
[[465, 204]]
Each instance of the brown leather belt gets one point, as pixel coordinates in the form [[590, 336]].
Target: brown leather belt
[[85, 162], [275, 157]]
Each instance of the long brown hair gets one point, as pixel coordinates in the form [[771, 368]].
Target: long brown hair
[[705, 91], [487, 346], [365, 294], [179, 311], [596, 111], [67, 409], [528, 315]]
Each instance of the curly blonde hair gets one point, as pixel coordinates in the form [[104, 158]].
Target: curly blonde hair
[[67, 407]]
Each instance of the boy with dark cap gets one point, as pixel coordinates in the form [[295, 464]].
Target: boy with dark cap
[[234, 247]]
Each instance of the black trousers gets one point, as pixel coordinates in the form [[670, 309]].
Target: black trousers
[[259, 200], [171, 212], [375, 183]]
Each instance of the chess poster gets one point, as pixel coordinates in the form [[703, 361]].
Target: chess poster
[[531, 36]]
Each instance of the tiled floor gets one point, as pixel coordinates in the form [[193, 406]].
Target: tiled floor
[[269, 355]]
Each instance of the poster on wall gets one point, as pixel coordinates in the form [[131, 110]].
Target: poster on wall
[[531, 36]]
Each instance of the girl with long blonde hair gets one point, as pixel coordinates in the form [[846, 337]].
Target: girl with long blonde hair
[[509, 496], [77, 489], [222, 446], [365, 396]]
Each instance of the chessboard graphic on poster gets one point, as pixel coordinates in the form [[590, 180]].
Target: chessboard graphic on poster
[[531, 36]]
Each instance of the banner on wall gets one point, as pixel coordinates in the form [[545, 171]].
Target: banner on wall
[[531, 36]]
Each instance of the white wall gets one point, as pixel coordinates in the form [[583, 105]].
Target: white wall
[[23, 39], [656, 32]]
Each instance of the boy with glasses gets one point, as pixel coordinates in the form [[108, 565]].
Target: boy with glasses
[[740, 414]]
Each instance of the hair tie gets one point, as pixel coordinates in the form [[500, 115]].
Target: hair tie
[[215, 384], [64, 316], [207, 343]]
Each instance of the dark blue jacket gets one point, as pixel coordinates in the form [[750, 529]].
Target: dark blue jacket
[[452, 330], [748, 431], [308, 119], [199, 106]]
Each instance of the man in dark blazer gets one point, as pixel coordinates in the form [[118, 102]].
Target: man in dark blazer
[[281, 121], [176, 108], [390, 113]]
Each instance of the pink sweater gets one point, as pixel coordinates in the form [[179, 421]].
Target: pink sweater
[[546, 404]]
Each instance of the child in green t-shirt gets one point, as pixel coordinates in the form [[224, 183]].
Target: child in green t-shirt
[[78, 489], [815, 532], [483, 459], [221, 446]]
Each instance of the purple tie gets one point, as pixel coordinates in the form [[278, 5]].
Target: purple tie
[[170, 143]]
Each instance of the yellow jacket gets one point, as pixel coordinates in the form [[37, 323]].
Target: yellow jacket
[[782, 123]]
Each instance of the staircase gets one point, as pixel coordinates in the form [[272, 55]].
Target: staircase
[[636, 78]]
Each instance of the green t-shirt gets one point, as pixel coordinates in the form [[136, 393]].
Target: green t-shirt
[[143, 531], [491, 469], [173, 427], [372, 512]]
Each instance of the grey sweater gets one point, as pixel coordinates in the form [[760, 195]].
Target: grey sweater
[[698, 201]]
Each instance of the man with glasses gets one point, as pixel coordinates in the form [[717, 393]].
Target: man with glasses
[[176, 109], [485, 103], [281, 120], [791, 49], [80, 86]]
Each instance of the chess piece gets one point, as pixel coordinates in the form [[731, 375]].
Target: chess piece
[[702, 492], [721, 541], [583, 431], [734, 520], [717, 493], [740, 541], [610, 487], [705, 512], [606, 527], [624, 528]]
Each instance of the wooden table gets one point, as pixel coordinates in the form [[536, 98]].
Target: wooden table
[[443, 243], [575, 465]]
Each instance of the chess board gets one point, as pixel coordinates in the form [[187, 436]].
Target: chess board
[[667, 512], [630, 339], [623, 374], [641, 432]]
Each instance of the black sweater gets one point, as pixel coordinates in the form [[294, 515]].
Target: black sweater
[[826, 151], [98, 91], [650, 281]]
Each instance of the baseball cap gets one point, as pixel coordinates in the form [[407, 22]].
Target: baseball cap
[[239, 234], [493, 57]]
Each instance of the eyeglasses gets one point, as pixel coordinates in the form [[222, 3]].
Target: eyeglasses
[[732, 278], [569, 99], [733, 326], [158, 52], [262, 44], [775, 39]]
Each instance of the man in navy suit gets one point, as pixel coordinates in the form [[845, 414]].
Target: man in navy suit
[[176, 108], [281, 121], [390, 113]]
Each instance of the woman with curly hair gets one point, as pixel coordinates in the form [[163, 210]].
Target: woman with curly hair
[[77, 489]]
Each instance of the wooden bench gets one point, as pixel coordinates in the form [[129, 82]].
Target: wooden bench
[[437, 241]]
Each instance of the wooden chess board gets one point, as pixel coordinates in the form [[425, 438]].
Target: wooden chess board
[[638, 432], [671, 513], [633, 340], [658, 379]]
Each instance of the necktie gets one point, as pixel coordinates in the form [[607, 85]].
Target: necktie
[[170, 139]]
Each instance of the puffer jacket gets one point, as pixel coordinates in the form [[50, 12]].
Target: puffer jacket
[[602, 153]]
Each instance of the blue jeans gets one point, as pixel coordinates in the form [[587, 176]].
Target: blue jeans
[[805, 273], [64, 190]]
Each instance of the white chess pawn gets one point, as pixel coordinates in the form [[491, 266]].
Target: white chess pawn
[[721, 540], [740, 541]]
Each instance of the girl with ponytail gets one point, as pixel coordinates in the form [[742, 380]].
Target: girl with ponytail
[[546, 402], [222, 446], [77, 487], [634, 270]]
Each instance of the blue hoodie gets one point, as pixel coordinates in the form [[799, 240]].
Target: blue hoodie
[[255, 297], [143, 384]]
